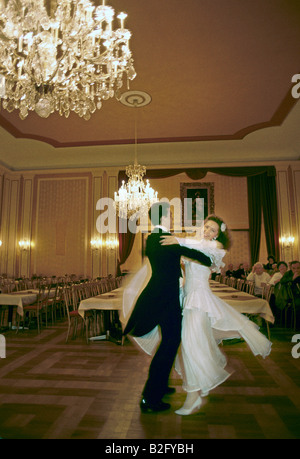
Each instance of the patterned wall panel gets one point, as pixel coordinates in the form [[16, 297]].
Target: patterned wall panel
[[96, 254], [26, 221], [239, 252], [231, 199], [9, 226], [296, 182], [62, 226]]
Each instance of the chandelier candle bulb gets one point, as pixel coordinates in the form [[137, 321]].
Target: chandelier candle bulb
[[20, 44], [122, 17]]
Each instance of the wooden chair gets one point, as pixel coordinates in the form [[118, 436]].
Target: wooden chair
[[240, 284], [232, 282], [104, 286], [52, 299], [249, 287], [119, 280], [270, 292], [35, 309], [289, 310], [72, 310], [72, 300], [59, 303], [267, 291], [112, 283]]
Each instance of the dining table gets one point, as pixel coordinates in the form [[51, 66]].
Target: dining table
[[241, 301], [19, 299], [244, 302], [108, 301]]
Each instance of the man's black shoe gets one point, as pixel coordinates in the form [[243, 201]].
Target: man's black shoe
[[170, 391], [147, 407]]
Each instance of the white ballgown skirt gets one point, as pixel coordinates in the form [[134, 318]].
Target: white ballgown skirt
[[207, 320]]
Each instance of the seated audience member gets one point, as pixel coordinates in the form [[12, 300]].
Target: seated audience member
[[293, 278], [240, 272], [288, 285], [259, 277], [281, 270], [271, 262], [229, 271], [246, 268]]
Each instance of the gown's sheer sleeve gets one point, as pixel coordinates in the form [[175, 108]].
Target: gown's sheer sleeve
[[209, 248]]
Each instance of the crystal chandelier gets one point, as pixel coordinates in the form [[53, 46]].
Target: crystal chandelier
[[66, 59], [135, 195]]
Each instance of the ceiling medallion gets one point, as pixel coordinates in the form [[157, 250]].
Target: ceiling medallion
[[135, 99]]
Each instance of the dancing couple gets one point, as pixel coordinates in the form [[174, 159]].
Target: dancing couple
[[189, 334]]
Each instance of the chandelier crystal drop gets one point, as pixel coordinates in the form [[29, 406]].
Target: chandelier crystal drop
[[135, 195], [64, 59]]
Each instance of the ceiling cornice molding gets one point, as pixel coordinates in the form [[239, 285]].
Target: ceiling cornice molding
[[277, 119]]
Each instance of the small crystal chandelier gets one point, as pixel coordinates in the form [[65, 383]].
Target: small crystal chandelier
[[69, 59], [135, 195]]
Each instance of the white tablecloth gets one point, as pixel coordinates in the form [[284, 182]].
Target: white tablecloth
[[18, 299], [21, 298], [243, 302], [110, 301]]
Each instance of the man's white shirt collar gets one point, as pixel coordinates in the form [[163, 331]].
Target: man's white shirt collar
[[163, 228]]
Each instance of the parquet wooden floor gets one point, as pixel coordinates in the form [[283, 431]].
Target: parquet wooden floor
[[53, 390]]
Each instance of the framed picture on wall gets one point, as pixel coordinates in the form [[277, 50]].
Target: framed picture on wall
[[197, 202]]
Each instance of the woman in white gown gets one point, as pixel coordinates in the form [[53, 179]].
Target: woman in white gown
[[207, 320]]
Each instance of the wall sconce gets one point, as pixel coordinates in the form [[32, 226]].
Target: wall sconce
[[112, 243], [24, 245], [287, 242], [96, 244], [0, 243]]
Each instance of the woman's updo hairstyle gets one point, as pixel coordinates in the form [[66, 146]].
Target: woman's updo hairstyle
[[224, 235]]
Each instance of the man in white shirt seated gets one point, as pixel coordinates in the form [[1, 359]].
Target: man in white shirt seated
[[282, 269], [259, 277]]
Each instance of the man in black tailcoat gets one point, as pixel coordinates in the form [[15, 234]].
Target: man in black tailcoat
[[158, 304]]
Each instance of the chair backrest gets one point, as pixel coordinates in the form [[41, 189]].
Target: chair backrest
[[43, 295], [265, 290], [112, 283], [67, 294], [59, 293], [269, 291], [249, 287], [93, 288], [119, 280], [240, 284], [87, 289], [232, 282], [75, 296], [104, 286]]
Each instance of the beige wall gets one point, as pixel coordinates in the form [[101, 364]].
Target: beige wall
[[288, 193], [57, 212]]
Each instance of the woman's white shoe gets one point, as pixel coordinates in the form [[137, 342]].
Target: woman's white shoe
[[193, 409]]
